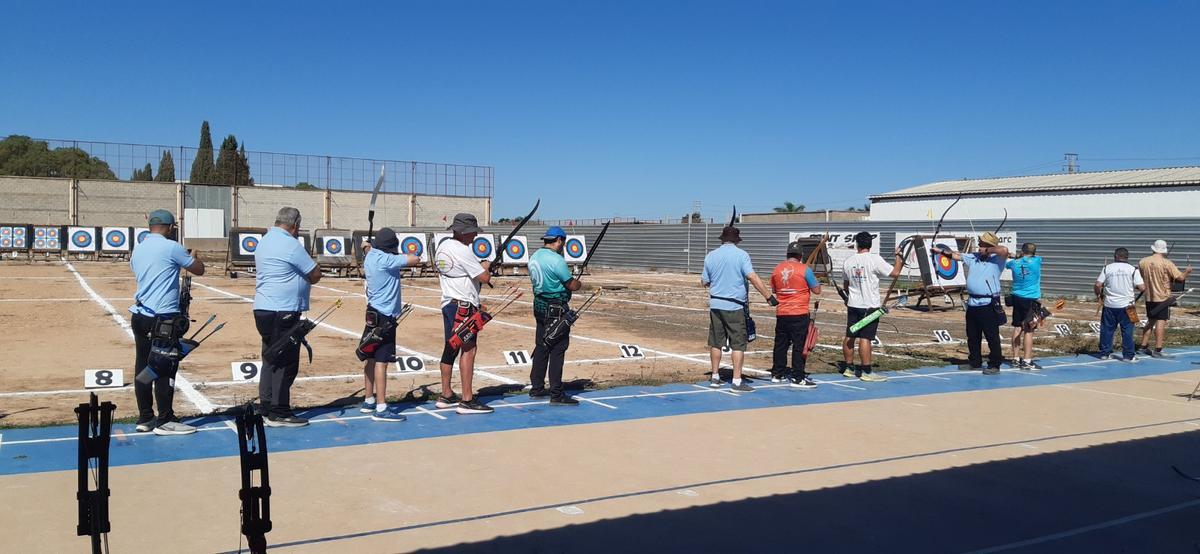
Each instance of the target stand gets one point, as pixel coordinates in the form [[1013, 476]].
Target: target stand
[[239, 256], [83, 243], [48, 242], [941, 276], [15, 240], [334, 250]]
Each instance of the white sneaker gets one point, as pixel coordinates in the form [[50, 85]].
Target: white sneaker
[[715, 383], [174, 428]]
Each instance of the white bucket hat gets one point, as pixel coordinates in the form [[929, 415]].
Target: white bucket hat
[[1159, 247]]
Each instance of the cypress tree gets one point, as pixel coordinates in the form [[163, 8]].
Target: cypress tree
[[202, 167], [232, 168], [166, 168], [144, 174]]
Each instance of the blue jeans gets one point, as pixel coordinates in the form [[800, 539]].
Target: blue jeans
[[1109, 320]]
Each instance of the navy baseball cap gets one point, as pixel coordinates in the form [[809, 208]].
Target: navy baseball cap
[[555, 232]]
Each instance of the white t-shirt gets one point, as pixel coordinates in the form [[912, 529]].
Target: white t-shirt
[[458, 282], [863, 271], [1119, 280]]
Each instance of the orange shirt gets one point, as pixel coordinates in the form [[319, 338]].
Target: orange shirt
[[792, 281], [1158, 272]]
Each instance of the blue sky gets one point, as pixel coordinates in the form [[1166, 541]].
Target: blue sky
[[628, 108]]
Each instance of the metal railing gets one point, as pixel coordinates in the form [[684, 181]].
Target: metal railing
[[289, 170]]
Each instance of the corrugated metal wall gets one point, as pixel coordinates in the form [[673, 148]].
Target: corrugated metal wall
[[1074, 250]]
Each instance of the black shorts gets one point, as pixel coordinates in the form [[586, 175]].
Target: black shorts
[[386, 351], [1163, 314], [853, 315], [1021, 308]]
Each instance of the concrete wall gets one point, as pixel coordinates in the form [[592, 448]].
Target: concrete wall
[[431, 209], [350, 210], [258, 206], [35, 200], [1104, 204], [123, 202]]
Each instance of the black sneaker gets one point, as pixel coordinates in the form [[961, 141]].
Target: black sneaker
[[145, 426], [1157, 354], [444, 402], [288, 421], [991, 371], [802, 383], [563, 400], [969, 367], [742, 387], [473, 406], [538, 393]]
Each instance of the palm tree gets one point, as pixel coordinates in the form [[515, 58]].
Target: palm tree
[[789, 208]]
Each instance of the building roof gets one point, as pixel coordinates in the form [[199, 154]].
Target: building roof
[[1128, 178]]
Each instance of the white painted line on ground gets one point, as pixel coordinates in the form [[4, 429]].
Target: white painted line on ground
[[586, 399], [425, 411], [1089, 528], [62, 391], [907, 372], [715, 389], [1134, 396], [181, 381]]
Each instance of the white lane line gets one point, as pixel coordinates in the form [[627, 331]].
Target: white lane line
[[62, 391], [1089, 528], [198, 400], [586, 399], [425, 411], [712, 389], [907, 372], [127, 435], [842, 382]]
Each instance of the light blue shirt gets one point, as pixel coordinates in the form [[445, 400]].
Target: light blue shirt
[[725, 272], [156, 263], [983, 277], [383, 281], [282, 268], [1027, 276]]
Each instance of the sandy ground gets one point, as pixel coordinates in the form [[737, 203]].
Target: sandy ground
[[52, 329]]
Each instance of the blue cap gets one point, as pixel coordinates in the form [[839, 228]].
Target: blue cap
[[161, 217], [555, 232]]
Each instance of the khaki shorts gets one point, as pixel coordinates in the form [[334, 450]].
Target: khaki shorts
[[727, 327]]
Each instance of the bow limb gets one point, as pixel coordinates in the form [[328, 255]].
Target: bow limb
[[371, 209]]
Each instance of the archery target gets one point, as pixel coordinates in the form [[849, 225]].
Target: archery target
[[333, 246], [575, 250], [945, 267], [46, 238], [303, 241], [139, 235], [248, 243], [20, 239], [116, 239], [944, 270], [484, 247], [81, 239], [517, 251], [6, 237], [414, 244]]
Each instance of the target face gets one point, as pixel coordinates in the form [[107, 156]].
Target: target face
[[482, 247], [516, 252], [18, 232], [81, 239], [6, 242], [249, 243], [6, 232], [334, 246], [575, 249], [116, 238], [52, 233], [945, 266], [139, 235], [414, 245], [39, 233], [46, 238], [39, 244]]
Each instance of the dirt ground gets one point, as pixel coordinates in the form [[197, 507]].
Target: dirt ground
[[52, 329]]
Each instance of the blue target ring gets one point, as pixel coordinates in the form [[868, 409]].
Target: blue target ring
[[333, 247], [413, 246], [81, 239], [482, 247], [945, 267], [115, 239], [141, 236], [574, 248], [249, 244], [515, 249]]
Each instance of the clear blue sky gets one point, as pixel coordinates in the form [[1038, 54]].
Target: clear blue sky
[[628, 108]]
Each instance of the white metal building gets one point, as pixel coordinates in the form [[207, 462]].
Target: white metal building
[[1133, 193]]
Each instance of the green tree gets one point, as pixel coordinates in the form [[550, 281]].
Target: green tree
[[789, 208], [143, 174], [166, 168], [21, 155], [305, 185], [202, 167], [232, 167]]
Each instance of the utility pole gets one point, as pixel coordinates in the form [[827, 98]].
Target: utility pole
[[690, 216], [1071, 161]]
